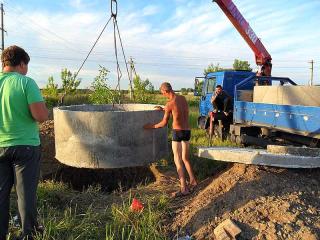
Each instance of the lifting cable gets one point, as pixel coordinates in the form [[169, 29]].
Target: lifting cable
[[92, 47], [114, 12], [124, 56]]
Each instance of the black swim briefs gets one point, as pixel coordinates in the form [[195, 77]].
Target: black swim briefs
[[181, 135]]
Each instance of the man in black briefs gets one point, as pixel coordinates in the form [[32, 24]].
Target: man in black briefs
[[181, 133]]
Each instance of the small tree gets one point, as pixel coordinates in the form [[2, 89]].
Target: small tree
[[102, 93], [189, 90], [241, 65], [212, 68], [143, 90], [69, 81], [184, 91], [51, 88]]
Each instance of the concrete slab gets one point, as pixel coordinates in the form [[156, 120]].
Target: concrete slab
[[300, 151], [287, 95], [258, 157], [108, 136]]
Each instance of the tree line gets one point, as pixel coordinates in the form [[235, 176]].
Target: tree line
[[100, 91]]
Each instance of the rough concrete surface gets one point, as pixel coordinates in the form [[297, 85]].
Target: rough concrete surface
[[108, 136], [258, 157], [287, 95], [300, 151]]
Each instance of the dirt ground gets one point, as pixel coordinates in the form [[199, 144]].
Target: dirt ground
[[265, 202]]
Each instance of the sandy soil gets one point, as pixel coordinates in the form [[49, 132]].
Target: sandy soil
[[266, 203]]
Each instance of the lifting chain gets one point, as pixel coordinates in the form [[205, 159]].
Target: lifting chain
[[116, 32]]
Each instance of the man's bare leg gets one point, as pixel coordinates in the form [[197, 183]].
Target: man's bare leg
[[177, 155], [185, 158]]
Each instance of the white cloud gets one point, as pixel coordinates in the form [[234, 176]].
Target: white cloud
[[150, 10], [76, 3], [175, 50]]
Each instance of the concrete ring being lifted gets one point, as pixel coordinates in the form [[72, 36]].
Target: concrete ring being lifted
[[108, 136]]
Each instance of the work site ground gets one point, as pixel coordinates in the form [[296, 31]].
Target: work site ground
[[264, 202]]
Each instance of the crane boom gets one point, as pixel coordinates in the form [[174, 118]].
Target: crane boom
[[263, 58]]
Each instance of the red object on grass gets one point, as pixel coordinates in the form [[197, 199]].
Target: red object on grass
[[136, 205]]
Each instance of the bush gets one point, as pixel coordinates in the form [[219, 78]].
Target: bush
[[143, 90], [102, 93]]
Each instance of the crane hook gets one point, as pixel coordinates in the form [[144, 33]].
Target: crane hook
[[114, 8]]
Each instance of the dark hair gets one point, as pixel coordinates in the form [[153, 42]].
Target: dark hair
[[166, 87], [219, 86], [13, 56]]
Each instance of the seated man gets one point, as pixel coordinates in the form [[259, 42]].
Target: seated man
[[221, 101], [222, 109]]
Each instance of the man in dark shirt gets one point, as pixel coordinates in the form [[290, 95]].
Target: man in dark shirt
[[221, 101]]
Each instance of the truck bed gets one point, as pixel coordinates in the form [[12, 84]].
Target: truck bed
[[301, 120]]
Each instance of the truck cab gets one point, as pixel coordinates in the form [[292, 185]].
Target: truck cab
[[227, 79]]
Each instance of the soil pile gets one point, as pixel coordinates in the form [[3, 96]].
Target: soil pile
[[266, 203], [49, 164]]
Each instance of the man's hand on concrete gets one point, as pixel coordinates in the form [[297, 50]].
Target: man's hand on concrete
[[159, 108], [148, 126]]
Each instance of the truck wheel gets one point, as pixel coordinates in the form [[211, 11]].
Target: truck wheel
[[239, 140]]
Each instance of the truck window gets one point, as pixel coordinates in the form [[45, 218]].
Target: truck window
[[211, 85]]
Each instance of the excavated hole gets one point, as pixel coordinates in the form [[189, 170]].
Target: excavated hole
[[107, 179]]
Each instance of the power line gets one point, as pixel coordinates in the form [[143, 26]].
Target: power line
[[173, 64], [20, 13]]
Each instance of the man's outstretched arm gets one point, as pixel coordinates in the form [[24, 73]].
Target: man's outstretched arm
[[163, 122]]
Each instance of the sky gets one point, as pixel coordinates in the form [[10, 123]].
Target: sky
[[168, 40]]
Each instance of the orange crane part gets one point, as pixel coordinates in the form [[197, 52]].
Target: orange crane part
[[262, 56]]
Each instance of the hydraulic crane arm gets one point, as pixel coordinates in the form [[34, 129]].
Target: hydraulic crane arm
[[263, 58]]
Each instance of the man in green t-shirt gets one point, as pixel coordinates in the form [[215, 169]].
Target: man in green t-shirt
[[21, 107]]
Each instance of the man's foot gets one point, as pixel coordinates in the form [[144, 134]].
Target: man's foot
[[180, 194], [192, 186]]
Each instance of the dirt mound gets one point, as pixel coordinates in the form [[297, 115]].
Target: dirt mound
[[49, 164], [266, 203]]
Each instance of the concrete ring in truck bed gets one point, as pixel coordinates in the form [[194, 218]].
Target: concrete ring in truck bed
[[108, 136]]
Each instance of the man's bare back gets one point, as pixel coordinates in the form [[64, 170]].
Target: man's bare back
[[179, 109]]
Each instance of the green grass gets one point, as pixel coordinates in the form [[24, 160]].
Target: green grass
[[92, 214], [126, 224]]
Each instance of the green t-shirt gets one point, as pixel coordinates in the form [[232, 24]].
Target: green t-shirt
[[17, 126]]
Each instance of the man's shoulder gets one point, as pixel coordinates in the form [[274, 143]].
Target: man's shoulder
[[181, 98], [224, 93], [15, 75]]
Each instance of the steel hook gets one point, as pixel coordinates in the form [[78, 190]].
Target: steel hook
[[114, 8]]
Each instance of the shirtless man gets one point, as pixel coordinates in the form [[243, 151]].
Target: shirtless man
[[181, 133]]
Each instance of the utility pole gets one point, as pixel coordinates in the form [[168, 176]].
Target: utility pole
[[311, 78], [2, 28], [132, 70]]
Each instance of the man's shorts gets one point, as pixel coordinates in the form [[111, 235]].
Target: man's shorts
[[181, 135]]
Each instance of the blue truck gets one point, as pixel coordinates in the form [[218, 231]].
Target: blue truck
[[254, 122], [258, 123]]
